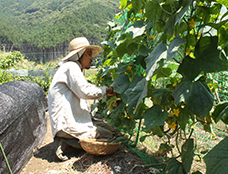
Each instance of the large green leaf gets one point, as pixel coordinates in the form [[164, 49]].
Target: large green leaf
[[136, 5], [136, 29], [121, 83], [207, 59], [176, 18], [154, 117], [159, 52], [174, 46], [187, 155], [117, 115], [184, 117], [131, 48], [217, 159], [163, 72], [198, 98], [214, 25], [223, 34], [175, 167], [136, 94], [153, 12], [221, 112], [161, 96], [121, 49], [189, 68]]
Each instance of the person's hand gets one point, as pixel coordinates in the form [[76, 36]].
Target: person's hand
[[110, 91]]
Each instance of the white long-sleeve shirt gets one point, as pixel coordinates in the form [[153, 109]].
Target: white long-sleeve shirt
[[69, 109]]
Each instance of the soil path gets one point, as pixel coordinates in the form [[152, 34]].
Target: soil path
[[44, 161]]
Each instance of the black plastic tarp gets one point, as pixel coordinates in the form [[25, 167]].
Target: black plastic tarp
[[23, 123]]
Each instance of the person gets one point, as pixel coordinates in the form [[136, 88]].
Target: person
[[69, 110]]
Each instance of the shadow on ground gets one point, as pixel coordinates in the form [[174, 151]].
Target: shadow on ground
[[47, 152]]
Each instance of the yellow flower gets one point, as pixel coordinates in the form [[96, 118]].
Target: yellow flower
[[140, 12], [187, 51], [128, 117], [175, 84], [154, 37], [129, 68], [170, 115], [213, 134], [176, 112], [192, 23], [148, 37], [173, 126]]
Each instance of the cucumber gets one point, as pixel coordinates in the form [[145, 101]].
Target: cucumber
[[120, 139]]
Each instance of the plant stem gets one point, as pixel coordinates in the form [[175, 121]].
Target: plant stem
[[6, 159]]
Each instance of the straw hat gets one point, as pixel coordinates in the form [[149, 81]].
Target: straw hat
[[79, 44]]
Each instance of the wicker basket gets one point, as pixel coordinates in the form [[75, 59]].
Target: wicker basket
[[99, 147]]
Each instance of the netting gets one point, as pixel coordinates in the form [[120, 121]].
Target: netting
[[22, 123], [221, 79]]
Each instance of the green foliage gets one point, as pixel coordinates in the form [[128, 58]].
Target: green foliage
[[15, 60], [216, 160], [43, 82], [163, 51], [8, 60], [47, 23]]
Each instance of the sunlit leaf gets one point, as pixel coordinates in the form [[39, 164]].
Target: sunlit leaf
[[136, 29], [217, 159], [198, 98], [154, 117], [174, 46], [123, 3], [159, 52], [187, 155]]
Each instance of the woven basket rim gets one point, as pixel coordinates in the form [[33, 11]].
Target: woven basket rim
[[99, 142]]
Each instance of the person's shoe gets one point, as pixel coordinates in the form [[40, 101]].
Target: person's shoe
[[73, 142], [60, 146]]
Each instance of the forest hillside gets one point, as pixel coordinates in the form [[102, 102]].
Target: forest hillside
[[42, 29]]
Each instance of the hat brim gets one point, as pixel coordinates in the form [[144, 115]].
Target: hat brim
[[95, 50]]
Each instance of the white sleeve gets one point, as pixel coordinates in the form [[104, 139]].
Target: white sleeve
[[80, 86]]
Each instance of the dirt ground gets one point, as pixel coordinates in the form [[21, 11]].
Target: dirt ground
[[122, 161]]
